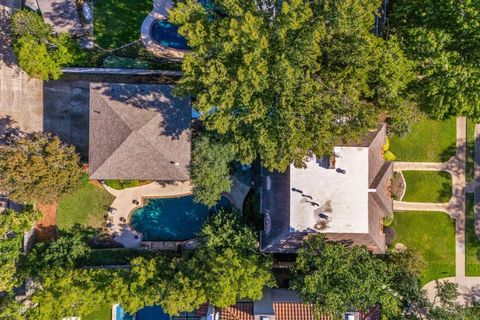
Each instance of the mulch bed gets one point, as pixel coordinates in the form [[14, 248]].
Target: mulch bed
[[46, 229]]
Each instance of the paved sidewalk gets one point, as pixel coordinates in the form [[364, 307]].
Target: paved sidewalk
[[421, 166], [469, 287], [420, 206]]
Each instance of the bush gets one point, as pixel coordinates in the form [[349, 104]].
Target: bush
[[389, 156], [116, 256], [120, 62], [124, 184], [41, 52], [388, 220]]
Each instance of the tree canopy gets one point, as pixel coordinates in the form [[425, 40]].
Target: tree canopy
[[42, 53], [38, 168], [335, 278], [443, 37], [225, 268], [12, 226], [282, 80], [210, 169]]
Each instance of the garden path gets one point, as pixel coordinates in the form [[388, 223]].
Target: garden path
[[469, 287]]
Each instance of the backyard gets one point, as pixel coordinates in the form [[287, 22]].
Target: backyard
[[118, 22], [427, 186], [87, 206], [428, 141], [432, 235]]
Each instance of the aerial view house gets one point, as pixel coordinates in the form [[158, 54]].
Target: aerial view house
[[284, 304], [138, 131], [344, 196]]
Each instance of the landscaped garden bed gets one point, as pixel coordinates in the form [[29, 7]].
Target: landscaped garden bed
[[427, 186], [86, 206], [432, 235], [123, 184], [428, 141]]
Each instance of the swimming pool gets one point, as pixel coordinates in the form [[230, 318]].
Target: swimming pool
[[171, 219], [166, 34]]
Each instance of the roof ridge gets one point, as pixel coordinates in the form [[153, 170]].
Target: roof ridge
[[129, 134]]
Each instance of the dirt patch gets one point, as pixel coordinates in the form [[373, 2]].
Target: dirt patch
[[46, 228]]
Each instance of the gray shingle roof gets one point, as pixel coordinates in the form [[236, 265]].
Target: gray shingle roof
[[138, 132]]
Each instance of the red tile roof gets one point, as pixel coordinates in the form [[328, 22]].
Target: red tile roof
[[239, 311], [295, 311]]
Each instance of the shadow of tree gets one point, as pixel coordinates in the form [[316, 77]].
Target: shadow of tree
[[62, 14], [447, 153], [175, 112], [9, 129], [6, 52], [445, 192]]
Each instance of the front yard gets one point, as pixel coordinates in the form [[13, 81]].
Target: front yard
[[427, 186], [428, 141], [432, 235], [87, 206], [118, 22]]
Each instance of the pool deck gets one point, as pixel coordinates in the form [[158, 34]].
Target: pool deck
[[122, 206]]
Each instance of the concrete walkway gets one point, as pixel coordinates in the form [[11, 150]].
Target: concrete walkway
[[469, 287], [124, 204]]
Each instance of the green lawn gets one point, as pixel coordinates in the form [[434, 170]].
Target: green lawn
[[87, 206], [429, 141], [427, 186], [432, 235], [103, 313], [472, 246], [118, 22]]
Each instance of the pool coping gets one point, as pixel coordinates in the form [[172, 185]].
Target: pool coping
[[159, 12], [142, 204], [123, 206]]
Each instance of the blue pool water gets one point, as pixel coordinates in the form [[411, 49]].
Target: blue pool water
[[147, 313], [171, 219], [166, 34]]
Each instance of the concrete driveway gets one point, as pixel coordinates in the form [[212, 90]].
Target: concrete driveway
[[66, 112], [21, 98]]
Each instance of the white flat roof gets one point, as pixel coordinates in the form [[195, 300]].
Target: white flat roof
[[332, 202]]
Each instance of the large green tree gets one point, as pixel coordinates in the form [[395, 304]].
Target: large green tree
[[282, 78], [229, 263], [38, 168], [443, 37], [40, 51], [12, 226], [335, 278], [210, 169]]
